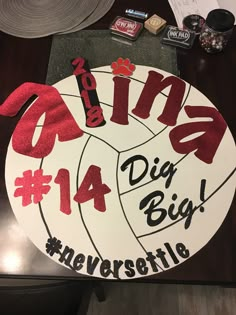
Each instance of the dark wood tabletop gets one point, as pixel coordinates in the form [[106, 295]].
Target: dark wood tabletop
[[24, 60]]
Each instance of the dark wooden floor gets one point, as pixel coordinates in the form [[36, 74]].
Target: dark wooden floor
[[154, 299], [160, 299]]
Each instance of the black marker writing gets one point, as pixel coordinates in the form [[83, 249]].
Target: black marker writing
[[166, 170]]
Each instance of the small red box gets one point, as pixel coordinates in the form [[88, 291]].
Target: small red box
[[126, 28]]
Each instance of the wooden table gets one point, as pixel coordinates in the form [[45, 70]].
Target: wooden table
[[24, 60]]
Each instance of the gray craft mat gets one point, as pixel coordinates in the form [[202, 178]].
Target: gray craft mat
[[101, 48]]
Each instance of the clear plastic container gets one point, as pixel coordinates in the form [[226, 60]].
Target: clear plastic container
[[217, 30]]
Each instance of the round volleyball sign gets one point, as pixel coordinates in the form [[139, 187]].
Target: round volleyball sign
[[119, 172]]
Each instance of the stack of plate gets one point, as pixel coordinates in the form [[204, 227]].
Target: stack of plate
[[38, 18]]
